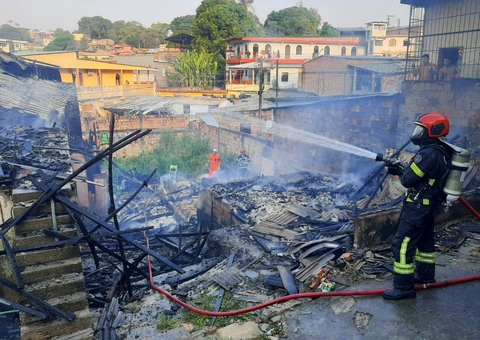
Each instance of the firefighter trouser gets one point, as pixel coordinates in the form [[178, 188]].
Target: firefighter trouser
[[414, 239]]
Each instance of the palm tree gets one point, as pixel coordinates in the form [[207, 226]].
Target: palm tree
[[248, 4]]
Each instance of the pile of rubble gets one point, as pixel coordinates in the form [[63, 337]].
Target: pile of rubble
[[24, 150]]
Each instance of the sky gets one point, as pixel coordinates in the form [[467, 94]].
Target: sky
[[47, 15]]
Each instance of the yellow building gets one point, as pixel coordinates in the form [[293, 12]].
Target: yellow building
[[93, 76], [78, 36]]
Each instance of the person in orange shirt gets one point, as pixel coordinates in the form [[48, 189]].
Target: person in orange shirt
[[215, 160]]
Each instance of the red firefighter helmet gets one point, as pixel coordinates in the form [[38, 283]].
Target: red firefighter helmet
[[436, 124]]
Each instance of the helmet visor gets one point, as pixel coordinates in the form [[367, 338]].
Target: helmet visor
[[418, 132]]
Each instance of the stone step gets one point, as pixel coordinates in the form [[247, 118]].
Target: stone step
[[46, 256], [47, 330], [45, 208], [38, 237], [85, 334], [26, 195], [32, 225], [69, 303], [45, 272], [67, 284]]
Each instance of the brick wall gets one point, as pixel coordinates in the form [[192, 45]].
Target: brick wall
[[458, 100], [232, 141], [126, 125], [369, 123], [215, 212], [132, 123]]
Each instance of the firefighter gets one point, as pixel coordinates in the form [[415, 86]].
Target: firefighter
[[215, 160], [242, 162], [424, 177]]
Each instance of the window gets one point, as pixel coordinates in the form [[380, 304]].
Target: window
[[245, 128], [392, 42], [186, 109], [299, 50], [315, 49], [268, 49], [344, 50], [284, 77], [327, 50], [354, 51], [378, 42], [287, 52]]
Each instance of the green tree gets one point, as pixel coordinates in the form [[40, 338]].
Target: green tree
[[182, 24], [82, 45], [96, 27], [9, 32], [25, 32], [217, 20], [328, 30], [248, 5], [60, 32], [293, 21], [195, 69], [61, 43]]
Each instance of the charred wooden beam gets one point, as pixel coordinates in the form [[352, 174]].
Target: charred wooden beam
[[51, 310], [81, 210], [53, 190], [12, 261], [111, 209], [23, 308]]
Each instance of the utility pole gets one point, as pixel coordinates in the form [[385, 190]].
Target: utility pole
[[260, 90], [388, 20], [276, 87]]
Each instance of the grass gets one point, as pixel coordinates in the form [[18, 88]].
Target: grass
[[166, 323], [189, 152], [207, 302]]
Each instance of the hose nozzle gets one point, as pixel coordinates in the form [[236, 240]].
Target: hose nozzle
[[386, 160]]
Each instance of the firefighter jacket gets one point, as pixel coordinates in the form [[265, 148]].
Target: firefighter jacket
[[243, 160], [425, 176]]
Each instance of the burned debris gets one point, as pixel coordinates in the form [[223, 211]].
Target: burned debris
[[285, 234]]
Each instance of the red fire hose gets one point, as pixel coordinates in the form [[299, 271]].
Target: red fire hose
[[295, 296], [469, 207]]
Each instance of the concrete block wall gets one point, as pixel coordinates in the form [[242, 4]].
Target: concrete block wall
[[458, 100], [369, 123], [232, 141]]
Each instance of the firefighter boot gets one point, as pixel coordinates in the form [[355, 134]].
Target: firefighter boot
[[403, 287], [397, 294], [424, 273]]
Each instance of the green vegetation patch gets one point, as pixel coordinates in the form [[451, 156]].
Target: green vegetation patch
[[207, 302]]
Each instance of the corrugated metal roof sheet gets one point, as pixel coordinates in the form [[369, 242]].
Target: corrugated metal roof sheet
[[211, 121], [39, 97]]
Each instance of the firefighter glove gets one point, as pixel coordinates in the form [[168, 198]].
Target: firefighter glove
[[396, 170]]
